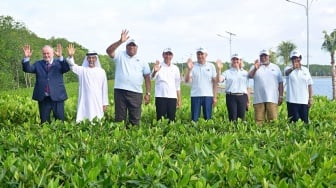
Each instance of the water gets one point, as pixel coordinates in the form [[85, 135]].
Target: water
[[322, 86]]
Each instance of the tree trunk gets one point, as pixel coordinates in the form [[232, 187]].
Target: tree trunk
[[26, 78], [333, 76]]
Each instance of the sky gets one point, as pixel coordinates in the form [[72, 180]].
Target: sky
[[183, 25]]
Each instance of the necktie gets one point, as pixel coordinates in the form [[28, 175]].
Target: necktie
[[47, 89]]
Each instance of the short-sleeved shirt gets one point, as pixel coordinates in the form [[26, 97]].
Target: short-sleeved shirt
[[167, 81], [202, 76], [129, 72], [297, 83], [266, 83], [236, 80]]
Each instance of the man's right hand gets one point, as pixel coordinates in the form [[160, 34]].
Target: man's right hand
[[124, 35], [27, 51], [256, 64]]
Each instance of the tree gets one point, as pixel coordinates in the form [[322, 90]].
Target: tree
[[329, 45], [284, 50], [272, 57]]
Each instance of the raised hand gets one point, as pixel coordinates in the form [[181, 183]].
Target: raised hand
[[58, 51], [219, 64], [71, 50], [124, 35], [256, 64], [190, 64], [157, 66], [27, 51]]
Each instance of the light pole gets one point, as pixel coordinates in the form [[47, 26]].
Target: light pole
[[307, 15], [229, 38]]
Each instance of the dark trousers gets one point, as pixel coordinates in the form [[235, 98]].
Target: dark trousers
[[48, 105], [165, 107], [297, 111], [236, 106], [127, 102], [201, 102]]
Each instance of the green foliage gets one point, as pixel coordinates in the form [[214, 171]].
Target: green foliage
[[284, 50], [213, 153], [14, 35]]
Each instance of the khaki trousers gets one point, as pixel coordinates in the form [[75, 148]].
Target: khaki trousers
[[266, 110]]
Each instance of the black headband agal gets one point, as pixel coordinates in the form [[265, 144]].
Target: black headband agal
[[91, 53]]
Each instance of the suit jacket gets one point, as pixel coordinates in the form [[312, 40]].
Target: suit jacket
[[54, 76]]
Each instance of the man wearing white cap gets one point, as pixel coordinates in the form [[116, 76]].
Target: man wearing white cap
[[129, 76], [268, 88], [299, 92], [92, 90], [202, 76], [167, 86], [236, 87]]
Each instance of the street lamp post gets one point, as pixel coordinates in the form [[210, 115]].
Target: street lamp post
[[307, 15], [226, 38], [229, 38]]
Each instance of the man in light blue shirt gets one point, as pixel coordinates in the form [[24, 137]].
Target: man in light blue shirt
[[268, 88], [299, 92], [202, 76], [129, 76]]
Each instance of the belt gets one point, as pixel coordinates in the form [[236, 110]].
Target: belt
[[237, 94]]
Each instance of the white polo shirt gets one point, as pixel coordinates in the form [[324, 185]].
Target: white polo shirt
[[266, 83], [297, 83], [129, 72], [236, 80], [201, 79], [167, 81]]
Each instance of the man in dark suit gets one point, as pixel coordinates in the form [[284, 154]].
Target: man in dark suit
[[49, 88]]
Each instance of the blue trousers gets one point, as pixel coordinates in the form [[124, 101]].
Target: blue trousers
[[48, 105], [297, 111], [198, 103]]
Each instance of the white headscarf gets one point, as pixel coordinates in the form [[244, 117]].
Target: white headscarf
[[91, 53]]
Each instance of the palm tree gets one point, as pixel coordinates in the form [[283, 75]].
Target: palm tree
[[284, 50], [329, 45]]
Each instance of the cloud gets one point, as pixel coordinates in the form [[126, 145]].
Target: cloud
[[181, 25]]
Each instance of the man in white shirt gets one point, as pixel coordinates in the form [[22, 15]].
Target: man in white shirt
[[202, 76], [129, 76], [299, 92], [92, 90], [268, 88], [167, 86]]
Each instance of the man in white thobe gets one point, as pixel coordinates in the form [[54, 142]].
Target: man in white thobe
[[93, 90]]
